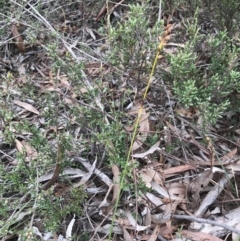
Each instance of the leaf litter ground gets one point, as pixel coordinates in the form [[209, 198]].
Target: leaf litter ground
[[190, 178]]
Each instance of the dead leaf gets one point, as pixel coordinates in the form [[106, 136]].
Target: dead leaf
[[19, 39], [176, 44], [105, 9], [176, 192], [142, 131], [69, 228], [134, 223], [21, 71], [178, 169], [27, 107], [150, 151], [126, 235], [188, 113], [87, 176], [70, 172], [64, 82], [53, 178], [90, 31], [31, 152], [233, 167], [167, 231], [116, 181], [155, 200], [229, 155], [164, 192], [174, 129], [148, 174], [19, 146], [177, 189], [107, 229], [163, 217], [103, 177], [147, 220], [199, 236], [101, 13]]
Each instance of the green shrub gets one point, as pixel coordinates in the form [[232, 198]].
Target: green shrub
[[226, 14], [133, 43], [207, 78]]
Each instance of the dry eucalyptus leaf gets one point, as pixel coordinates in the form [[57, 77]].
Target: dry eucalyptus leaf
[[148, 175], [126, 235], [177, 169], [229, 155], [19, 39], [26, 106], [155, 200], [142, 131], [200, 182], [146, 214], [199, 236], [70, 172], [150, 151], [134, 222], [19, 146], [70, 228], [163, 217], [24, 148]]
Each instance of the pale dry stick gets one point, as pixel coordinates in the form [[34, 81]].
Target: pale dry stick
[[118, 4], [73, 46], [103, 177], [108, 17], [204, 157], [5, 154], [212, 195], [228, 201], [160, 10], [202, 220]]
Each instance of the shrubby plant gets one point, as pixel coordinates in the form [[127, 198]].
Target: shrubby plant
[[222, 14], [133, 43], [226, 14], [207, 79]]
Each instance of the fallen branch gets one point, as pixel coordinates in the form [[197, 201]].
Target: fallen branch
[[202, 220]]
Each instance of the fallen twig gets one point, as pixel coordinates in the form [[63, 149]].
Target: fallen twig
[[202, 220]]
